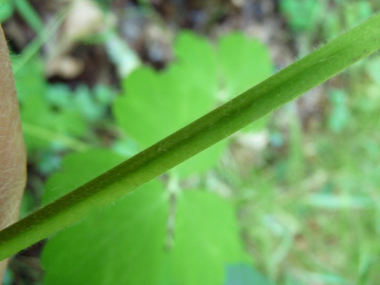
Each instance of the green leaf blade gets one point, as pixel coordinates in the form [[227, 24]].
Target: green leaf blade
[[249, 65], [206, 239], [131, 231], [172, 101]]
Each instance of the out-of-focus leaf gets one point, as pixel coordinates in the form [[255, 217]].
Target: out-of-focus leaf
[[302, 15], [244, 274], [59, 95], [356, 12], [339, 116], [157, 104], [206, 239], [6, 10], [78, 168], [124, 243], [125, 147], [164, 102], [198, 56], [30, 80], [333, 25], [91, 105], [8, 277], [104, 95], [120, 244], [48, 162], [52, 111], [244, 63], [373, 69], [38, 112], [86, 104], [28, 204], [45, 119]]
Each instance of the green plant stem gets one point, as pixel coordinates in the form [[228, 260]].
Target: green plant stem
[[42, 37], [192, 139], [30, 15]]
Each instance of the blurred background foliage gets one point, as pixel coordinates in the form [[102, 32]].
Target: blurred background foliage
[[292, 199]]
